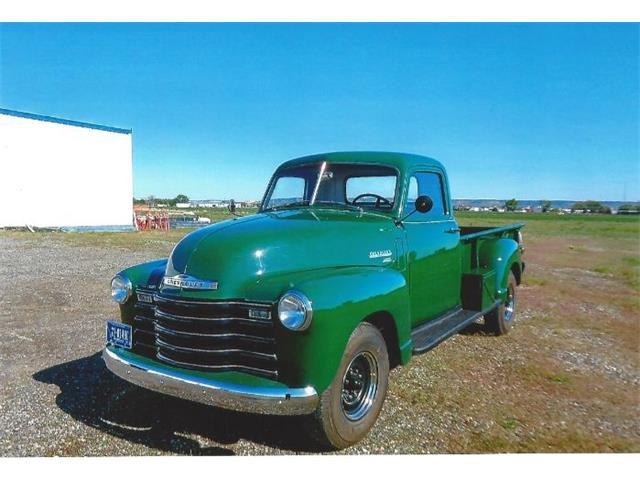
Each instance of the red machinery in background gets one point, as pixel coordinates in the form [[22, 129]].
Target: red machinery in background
[[151, 220]]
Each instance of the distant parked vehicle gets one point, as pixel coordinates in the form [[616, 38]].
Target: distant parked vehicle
[[353, 264]]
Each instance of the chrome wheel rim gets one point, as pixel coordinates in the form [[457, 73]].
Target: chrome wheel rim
[[510, 306], [359, 386]]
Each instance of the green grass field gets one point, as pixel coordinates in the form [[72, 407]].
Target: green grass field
[[551, 224], [618, 239]]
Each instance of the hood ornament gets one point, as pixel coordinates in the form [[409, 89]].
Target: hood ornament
[[187, 281]]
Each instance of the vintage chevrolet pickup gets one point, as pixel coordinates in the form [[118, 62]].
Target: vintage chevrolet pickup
[[353, 264]]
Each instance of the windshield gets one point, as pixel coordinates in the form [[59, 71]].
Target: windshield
[[351, 186]]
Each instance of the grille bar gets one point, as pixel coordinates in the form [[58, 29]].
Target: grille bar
[[144, 336], [240, 368], [171, 300], [179, 333], [214, 351], [184, 318]]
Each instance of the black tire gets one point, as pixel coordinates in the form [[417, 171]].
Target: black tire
[[345, 417], [500, 320]]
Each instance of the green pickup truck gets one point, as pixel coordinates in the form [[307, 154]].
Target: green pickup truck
[[353, 264]]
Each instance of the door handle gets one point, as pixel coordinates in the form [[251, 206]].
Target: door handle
[[452, 230]]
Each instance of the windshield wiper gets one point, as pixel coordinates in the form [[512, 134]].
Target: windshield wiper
[[302, 203], [339, 204]]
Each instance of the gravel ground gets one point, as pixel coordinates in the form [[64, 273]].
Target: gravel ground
[[522, 392]]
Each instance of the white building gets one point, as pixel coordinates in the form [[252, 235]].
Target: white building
[[64, 173]]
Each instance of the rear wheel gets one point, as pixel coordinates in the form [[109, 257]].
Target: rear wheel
[[500, 320], [349, 407]]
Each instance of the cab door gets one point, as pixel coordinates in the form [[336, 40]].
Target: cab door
[[433, 248]]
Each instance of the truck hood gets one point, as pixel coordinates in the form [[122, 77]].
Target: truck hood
[[240, 252]]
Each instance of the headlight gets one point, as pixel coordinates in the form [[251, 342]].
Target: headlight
[[294, 311], [121, 289]]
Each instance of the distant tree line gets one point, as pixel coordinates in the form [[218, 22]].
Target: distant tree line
[[629, 209], [153, 201], [590, 206], [587, 206]]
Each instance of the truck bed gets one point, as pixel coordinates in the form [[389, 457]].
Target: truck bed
[[471, 233], [472, 239], [478, 274]]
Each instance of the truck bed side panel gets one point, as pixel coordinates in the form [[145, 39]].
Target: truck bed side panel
[[490, 249]]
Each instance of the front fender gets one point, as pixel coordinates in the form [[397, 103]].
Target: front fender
[[146, 275], [341, 298], [500, 255]]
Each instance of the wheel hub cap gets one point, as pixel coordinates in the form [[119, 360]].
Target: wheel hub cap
[[359, 386], [510, 306]]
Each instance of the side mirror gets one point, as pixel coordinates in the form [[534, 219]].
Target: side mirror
[[423, 204]]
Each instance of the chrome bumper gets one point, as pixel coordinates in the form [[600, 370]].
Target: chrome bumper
[[244, 398]]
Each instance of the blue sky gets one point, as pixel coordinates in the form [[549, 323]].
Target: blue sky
[[530, 111]]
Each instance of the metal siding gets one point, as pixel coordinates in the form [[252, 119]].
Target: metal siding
[[55, 174]]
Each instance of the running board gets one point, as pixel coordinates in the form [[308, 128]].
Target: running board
[[430, 334]]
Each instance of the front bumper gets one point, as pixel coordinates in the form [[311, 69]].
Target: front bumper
[[244, 398]]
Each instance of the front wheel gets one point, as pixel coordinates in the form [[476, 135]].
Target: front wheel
[[500, 320], [349, 407]]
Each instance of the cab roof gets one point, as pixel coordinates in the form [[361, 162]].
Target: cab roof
[[401, 161]]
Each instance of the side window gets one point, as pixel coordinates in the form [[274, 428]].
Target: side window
[[426, 183]]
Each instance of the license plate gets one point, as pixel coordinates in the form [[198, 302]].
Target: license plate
[[119, 334]]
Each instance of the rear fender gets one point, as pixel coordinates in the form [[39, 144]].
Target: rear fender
[[500, 255]]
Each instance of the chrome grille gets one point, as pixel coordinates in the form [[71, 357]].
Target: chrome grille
[[210, 335]]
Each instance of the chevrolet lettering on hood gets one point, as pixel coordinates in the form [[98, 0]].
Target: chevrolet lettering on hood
[[380, 254], [186, 281]]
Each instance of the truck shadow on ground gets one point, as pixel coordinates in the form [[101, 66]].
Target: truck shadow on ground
[[475, 329], [93, 395]]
